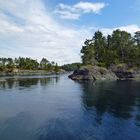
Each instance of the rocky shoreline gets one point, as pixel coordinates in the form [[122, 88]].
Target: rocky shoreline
[[97, 73]]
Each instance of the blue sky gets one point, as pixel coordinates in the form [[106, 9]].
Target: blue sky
[[56, 29], [116, 13]]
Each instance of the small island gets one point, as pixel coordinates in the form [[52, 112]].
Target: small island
[[111, 57], [28, 66]]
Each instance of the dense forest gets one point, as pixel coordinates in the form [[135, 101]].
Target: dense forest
[[8, 64], [119, 47]]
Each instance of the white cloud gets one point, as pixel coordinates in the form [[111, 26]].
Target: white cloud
[[41, 36], [129, 28], [7, 27], [75, 11], [68, 15], [88, 7]]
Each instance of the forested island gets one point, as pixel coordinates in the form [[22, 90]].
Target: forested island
[[111, 57], [27, 66]]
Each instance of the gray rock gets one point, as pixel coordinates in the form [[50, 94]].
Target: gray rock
[[123, 72], [93, 73], [115, 72]]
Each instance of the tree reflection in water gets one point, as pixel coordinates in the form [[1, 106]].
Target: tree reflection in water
[[26, 82], [120, 99]]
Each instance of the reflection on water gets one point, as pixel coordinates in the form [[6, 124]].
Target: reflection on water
[[26, 82], [116, 98], [60, 109]]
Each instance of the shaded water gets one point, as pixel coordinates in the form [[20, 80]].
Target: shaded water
[[41, 108]]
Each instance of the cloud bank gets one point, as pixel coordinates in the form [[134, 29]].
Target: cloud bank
[[38, 35], [28, 30]]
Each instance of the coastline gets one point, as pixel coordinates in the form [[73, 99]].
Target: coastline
[[29, 73], [97, 73]]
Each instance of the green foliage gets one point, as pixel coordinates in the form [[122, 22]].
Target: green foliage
[[120, 47], [26, 63], [71, 67], [137, 38], [8, 64], [44, 63], [56, 68]]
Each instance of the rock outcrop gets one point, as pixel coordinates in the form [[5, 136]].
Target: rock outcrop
[[97, 73], [93, 73], [123, 72]]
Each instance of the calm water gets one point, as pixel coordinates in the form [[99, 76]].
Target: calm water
[[41, 108]]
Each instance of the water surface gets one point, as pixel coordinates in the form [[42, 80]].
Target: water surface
[[57, 108]]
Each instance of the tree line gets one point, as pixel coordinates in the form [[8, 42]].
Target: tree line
[[71, 67], [119, 47], [27, 64]]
